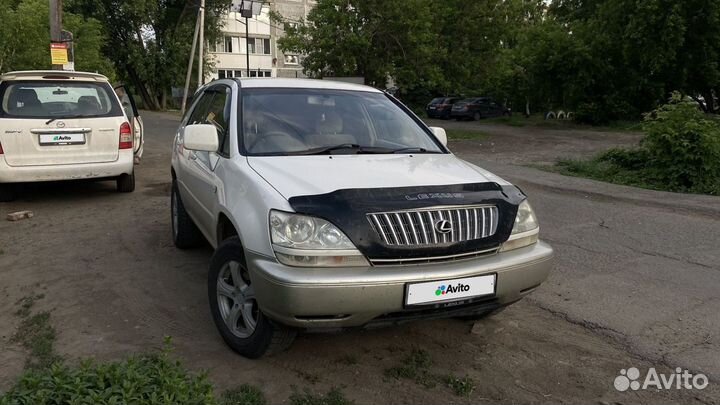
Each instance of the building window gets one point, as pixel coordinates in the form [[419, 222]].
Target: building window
[[266, 46], [228, 45], [260, 73], [251, 45], [230, 73], [292, 60]]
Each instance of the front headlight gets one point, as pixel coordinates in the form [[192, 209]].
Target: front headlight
[[305, 241], [525, 230]]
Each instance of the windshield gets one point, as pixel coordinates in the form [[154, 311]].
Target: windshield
[[57, 99], [305, 121]]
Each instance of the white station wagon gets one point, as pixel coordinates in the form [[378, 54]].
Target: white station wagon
[[331, 205], [59, 125]]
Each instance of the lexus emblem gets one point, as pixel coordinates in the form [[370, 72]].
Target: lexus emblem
[[60, 124], [443, 226]]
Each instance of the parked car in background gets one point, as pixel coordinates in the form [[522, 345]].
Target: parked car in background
[[58, 125], [330, 205], [477, 108], [440, 107]]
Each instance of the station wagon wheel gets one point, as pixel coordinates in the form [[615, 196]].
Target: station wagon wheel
[[477, 116], [236, 300]]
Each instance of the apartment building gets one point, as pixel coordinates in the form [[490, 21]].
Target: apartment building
[[266, 60]]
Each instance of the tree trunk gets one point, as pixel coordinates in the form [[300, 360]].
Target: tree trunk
[[150, 102], [527, 107], [709, 100]]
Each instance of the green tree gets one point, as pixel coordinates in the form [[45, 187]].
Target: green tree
[[149, 41], [25, 38], [373, 39]]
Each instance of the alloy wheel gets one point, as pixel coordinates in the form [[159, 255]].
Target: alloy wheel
[[236, 300]]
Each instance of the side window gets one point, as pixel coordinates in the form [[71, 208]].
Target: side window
[[197, 115], [218, 114]]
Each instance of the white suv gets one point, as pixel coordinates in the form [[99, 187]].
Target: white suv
[[58, 125], [331, 205]]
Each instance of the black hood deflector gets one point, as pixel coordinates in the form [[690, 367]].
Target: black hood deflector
[[348, 209]]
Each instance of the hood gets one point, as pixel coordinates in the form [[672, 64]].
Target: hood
[[309, 175]]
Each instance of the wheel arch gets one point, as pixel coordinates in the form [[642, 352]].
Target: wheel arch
[[226, 228]]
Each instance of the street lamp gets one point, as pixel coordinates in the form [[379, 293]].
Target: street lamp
[[247, 9]]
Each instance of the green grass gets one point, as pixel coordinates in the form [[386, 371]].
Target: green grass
[[598, 169], [244, 395], [333, 397], [147, 379], [462, 387], [455, 134], [35, 334], [539, 121], [417, 365]]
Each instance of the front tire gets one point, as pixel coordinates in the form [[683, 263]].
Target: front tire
[[476, 116], [234, 306], [185, 233], [126, 183], [8, 192]]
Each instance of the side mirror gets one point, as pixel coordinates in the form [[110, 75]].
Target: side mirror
[[440, 135], [201, 137]]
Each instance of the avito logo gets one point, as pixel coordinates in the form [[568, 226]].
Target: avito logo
[[443, 289], [62, 138]]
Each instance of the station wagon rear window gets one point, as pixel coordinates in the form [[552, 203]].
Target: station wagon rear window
[[57, 99]]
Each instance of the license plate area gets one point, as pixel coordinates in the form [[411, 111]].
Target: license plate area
[[62, 139], [449, 291]]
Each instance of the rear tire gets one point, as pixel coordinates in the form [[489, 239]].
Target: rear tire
[[185, 233], [8, 192], [126, 183], [251, 339]]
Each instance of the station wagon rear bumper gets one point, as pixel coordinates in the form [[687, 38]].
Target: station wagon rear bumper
[[364, 296], [27, 174]]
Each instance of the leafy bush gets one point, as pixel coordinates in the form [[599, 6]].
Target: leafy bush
[[680, 152], [683, 147], [149, 379]]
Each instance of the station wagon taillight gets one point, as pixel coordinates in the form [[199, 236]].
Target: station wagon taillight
[[126, 138], [1, 151]]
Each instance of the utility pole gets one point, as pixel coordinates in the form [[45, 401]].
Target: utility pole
[[247, 46], [56, 25], [190, 63], [201, 76]]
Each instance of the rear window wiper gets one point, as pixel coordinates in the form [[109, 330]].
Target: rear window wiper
[[65, 118], [345, 146]]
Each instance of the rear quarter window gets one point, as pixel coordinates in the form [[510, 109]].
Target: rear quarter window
[[57, 99]]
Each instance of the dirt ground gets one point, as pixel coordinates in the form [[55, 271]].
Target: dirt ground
[[115, 285], [533, 145]]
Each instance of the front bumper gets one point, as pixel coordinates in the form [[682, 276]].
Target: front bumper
[[27, 174], [352, 297]]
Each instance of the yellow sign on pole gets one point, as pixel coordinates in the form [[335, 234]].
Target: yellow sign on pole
[[59, 53]]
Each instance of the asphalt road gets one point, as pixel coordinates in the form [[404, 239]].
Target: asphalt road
[[635, 285]]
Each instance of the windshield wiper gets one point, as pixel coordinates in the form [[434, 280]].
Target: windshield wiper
[[412, 149], [344, 146], [65, 118]]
